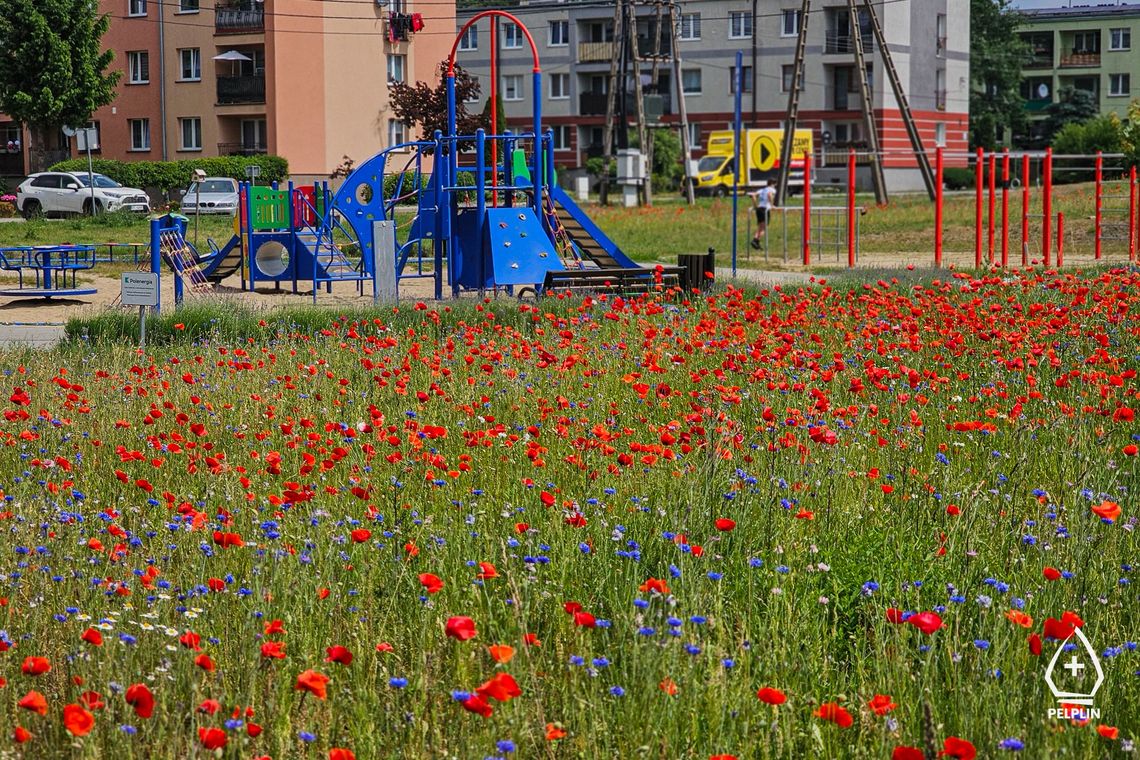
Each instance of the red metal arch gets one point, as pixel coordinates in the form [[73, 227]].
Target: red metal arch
[[486, 14]]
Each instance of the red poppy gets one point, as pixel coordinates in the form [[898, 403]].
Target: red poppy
[[93, 637], [190, 640], [212, 738], [585, 620], [500, 687], [253, 730], [92, 700], [895, 616], [217, 585], [531, 640], [487, 571], [209, 706], [360, 535], [35, 666], [478, 704], [1019, 618], [1107, 510], [460, 627], [770, 696], [21, 735], [273, 650], [881, 704], [140, 697], [959, 749], [654, 584], [722, 757], [383, 647], [927, 622], [835, 713], [336, 753], [1051, 574], [1108, 732], [226, 540], [1056, 629], [501, 653], [669, 686], [338, 654], [34, 702], [77, 721], [554, 732], [431, 583], [1035, 645], [314, 683], [725, 524], [205, 663], [908, 753], [274, 627]]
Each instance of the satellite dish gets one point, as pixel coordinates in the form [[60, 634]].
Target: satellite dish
[[1042, 90], [69, 131]]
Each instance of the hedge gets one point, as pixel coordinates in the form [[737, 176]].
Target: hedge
[[171, 175]]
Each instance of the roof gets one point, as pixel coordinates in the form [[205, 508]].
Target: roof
[[1087, 11]]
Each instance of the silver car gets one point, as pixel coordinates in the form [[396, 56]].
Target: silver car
[[213, 195]]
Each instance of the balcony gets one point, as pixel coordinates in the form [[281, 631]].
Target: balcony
[[842, 43], [1080, 60], [656, 105], [238, 20], [592, 52], [12, 164], [241, 149], [593, 104], [241, 89], [940, 100]]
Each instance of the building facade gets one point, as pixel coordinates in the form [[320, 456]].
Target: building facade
[[303, 79], [928, 41], [1087, 48]]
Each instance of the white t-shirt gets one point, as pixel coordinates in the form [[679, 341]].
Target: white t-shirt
[[766, 197]]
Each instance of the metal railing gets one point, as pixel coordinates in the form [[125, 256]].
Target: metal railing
[[589, 52], [241, 89], [238, 20], [241, 149], [1076, 60], [841, 42]]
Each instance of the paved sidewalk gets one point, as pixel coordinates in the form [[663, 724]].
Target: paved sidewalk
[[33, 335]]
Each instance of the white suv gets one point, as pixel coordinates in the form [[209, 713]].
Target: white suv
[[70, 193]]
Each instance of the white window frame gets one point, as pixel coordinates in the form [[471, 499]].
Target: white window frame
[[786, 15], [700, 84], [690, 27], [694, 134], [143, 145], [136, 8], [1122, 33], [195, 64], [195, 124], [561, 137], [563, 38], [135, 60], [400, 61], [512, 36], [740, 25], [470, 39], [561, 92], [1123, 78], [512, 83], [397, 132], [183, 10]]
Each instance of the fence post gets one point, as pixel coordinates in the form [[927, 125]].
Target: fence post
[[1099, 195], [938, 167], [992, 169], [1024, 210], [806, 229], [1060, 239], [851, 208], [1005, 208], [979, 168], [1132, 215], [1047, 208]]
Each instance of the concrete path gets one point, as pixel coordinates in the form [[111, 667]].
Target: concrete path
[[31, 335]]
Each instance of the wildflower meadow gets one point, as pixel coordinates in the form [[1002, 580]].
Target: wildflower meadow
[[851, 519]]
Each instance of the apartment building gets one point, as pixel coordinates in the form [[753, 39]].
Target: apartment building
[[304, 79], [928, 41], [1087, 48]]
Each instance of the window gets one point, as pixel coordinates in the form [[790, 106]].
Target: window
[[559, 34], [140, 133], [191, 65], [940, 34], [191, 131], [745, 78], [397, 132], [739, 24], [475, 96], [940, 135], [691, 81], [559, 86], [789, 23], [470, 39], [694, 135], [846, 133], [138, 67], [690, 26], [940, 89], [786, 74], [561, 135], [1120, 39], [396, 65], [1119, 85], [512, 87], [187, 6], [136, 7], [512, 36], [1086, 42], [253, 133]]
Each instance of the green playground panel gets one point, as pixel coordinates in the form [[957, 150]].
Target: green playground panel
[[270, 208]]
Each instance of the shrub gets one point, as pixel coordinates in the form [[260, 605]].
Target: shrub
[[171, 175], [957, 178]]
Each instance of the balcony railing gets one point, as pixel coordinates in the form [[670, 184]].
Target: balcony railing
[[656, 105], [1040, 59], [837, 42], [1075, 60], [589, 52], [241, 149], [238, 20], [593, 103], [11, 164], [940, 100], [241, 89]]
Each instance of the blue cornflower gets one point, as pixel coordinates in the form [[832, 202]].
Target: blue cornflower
[[617, 691]]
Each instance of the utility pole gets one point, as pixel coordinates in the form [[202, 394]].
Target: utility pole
[[686, 147], [611, 94], [643, 139], [877, 179], [793, 114]]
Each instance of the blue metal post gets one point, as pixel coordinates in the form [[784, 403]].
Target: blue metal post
[[537, 175], [509, 166], [248, 252], [443, 220], [548, 146], [156, 258], [738, 78], [480, 202]]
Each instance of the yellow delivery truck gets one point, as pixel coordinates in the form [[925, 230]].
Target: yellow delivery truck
[[760, 157]]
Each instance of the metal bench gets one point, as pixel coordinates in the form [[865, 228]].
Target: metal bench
[[621, 281]]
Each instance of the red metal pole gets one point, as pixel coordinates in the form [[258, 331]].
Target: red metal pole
[[851, 208], [1132, 215], [1005, 208], [1024, 210], [1047, 208], [1060, 239], [992, 169], [494, 116], [938, 167], [807, 210], [1099, 196], [979, 168]]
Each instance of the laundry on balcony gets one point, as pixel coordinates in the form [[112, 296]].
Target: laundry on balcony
[[400, 25]]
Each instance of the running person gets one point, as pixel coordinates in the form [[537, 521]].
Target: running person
[[765, 200]]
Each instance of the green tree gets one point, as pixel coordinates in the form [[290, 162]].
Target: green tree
[[996, 56], [1071, 107], [1130, 134], [53, 68], [1085, 138]]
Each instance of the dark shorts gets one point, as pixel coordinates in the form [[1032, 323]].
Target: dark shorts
[[762, 215]]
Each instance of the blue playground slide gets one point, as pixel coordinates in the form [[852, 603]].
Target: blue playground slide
[[221, 262], [593, 244]]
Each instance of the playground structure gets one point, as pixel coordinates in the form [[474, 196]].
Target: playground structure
[[53, 270]]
